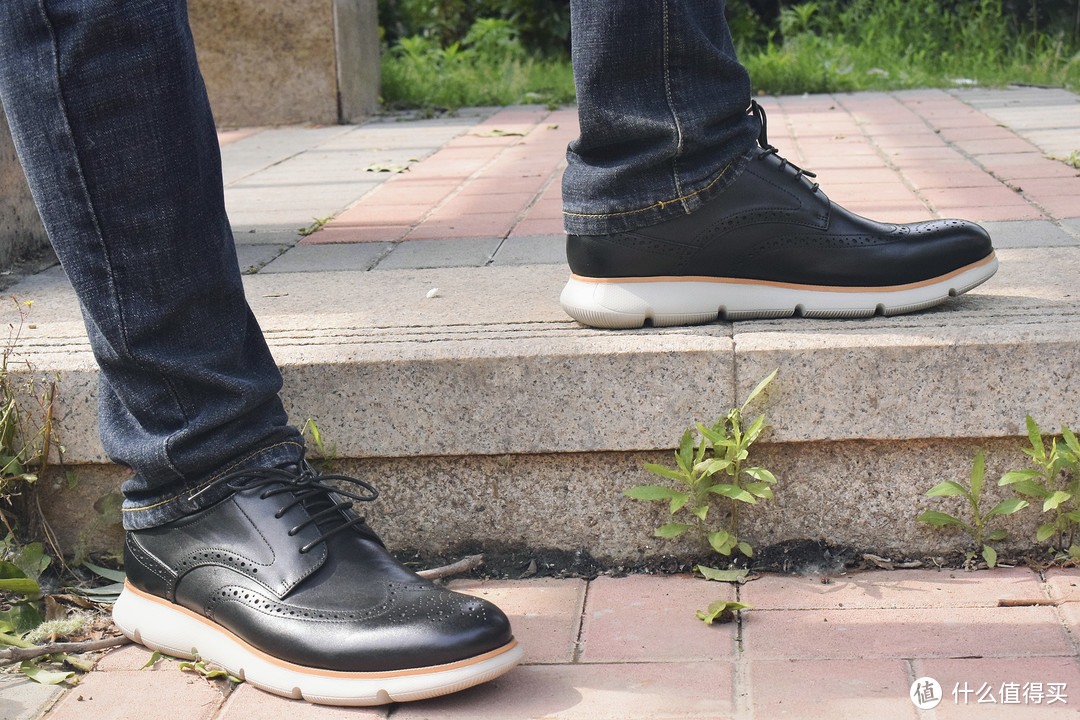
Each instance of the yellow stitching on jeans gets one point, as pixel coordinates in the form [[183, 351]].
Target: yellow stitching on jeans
[[223, 472], [659, 204]]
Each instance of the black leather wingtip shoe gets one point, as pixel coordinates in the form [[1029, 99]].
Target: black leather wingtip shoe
[[283, 585], [771, 245]]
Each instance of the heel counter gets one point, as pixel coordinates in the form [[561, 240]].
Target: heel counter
[[146, 572], [625, 255]]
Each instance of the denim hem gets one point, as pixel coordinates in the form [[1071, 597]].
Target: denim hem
[[659, 211], [204, 494]]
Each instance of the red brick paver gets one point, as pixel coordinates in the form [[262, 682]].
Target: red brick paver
[[895, 157], [631, 648]]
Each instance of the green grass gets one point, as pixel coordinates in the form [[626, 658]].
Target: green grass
[[896, 44], [868, 45], [489, 67]]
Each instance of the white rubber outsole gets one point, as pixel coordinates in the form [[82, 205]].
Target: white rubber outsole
[[663, 301], [174, 630]]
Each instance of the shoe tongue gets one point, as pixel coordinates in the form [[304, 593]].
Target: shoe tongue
[[320, 501]]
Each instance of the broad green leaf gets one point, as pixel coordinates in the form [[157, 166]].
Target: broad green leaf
[[938, 519], [671, 530], [1070, 439], [702, 511], [651, 492], [685, 454], [112, 589], [22, 586], [760, 474], [1074, 516], [990, 555], [32, 560], [718, 540], [734, 492], [10, 570], [1074, 552], [1031, 489], [713, 435], [996, 535], [678, 502], [946, 489], [760, 387], [79, 663], [717, 609], [700, 454], [715, 575], [1056, 499], [761, 490], [666, 472], [978, 474], [1008, 507], [1044, 532], [745, 549], [1018, 475], [1035, 438], [714, 466], [754, 431], [154, 657], [23, 617], [45, 677], [107, 573]]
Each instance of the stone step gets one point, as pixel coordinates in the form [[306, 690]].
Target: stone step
[[487, 418], [420, 329]]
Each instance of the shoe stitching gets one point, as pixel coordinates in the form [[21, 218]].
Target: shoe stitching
[[660, 204], [252, 599], [671, 107], [151, 563]]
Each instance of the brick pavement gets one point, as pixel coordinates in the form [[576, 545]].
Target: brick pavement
[[483, 187], [814, 646]]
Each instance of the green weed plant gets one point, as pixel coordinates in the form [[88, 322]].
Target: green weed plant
[[978, 526], [1056, 483]]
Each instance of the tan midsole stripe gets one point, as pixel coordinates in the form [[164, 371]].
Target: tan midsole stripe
[[771, 283], [128, 587]]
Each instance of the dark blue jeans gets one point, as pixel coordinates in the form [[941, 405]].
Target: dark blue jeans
[[113, 127], [662, 103], [112, 124]]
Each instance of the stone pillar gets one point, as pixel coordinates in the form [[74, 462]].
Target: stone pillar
[[22, 235], [281, 62]]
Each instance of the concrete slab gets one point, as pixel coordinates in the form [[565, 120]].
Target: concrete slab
[[252, 258], [262, 235], [448, 253], [495, 341], [1072, 225], [531, 250], [1028, 233], [328, 258], [24, 699], [1048, 118], [270, 146]]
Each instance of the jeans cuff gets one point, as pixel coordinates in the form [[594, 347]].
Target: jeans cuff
[[659, 210], [203, 494]]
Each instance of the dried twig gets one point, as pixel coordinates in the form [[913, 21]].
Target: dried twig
[[463, 565], [1027, 602], [18, 654]]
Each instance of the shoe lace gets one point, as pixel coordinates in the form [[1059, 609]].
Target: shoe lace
[[324, 502], [763, 141]]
